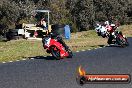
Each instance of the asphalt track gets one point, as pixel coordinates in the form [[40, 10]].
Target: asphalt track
[[45, 72]]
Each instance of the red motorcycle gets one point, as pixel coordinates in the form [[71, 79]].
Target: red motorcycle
[[56, 46], [120, 39], [116, 37]]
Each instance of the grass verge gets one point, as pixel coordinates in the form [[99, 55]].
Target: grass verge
[[19, 49]]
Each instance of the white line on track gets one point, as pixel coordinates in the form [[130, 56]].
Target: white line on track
[[10, 61], [51, 55], [17, 60], [32, 58], [23, 59], [83, 50], [100, 47], [107, 45]]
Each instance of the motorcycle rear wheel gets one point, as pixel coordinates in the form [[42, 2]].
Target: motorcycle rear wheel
[[55, 52]]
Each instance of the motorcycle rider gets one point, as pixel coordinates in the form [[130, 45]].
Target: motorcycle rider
[[111, 30], [59, 39], [105, 29], [56, 36], [101, 30]]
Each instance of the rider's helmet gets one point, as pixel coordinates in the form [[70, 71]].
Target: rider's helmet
[[106, 22], [97, 24], [97, 28], [113, 25]]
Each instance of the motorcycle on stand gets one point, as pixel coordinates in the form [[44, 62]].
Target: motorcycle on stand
[[56, 46]]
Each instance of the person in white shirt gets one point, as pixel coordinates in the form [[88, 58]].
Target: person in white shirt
[[43, 23]]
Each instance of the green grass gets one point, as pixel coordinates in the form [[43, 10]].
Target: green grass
[[19, 49], [127, 30]]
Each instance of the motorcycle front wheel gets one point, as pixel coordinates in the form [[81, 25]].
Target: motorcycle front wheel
[[55, 52], [70, 53], [122, 41], [127, 43]]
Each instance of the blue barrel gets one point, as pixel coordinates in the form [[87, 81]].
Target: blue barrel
[[67, 32]]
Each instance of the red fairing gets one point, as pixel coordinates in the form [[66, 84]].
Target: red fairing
[[56, 47], [109, 28], [63, 53]]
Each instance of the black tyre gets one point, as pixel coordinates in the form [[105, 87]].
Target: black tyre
[[122, 41], [55, 52], [127, 43], [70, 53]]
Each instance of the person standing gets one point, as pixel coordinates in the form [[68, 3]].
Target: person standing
[[35, 34], [43, 23]]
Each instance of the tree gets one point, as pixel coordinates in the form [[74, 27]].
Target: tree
[[12, 12], [83, 12], [80, 13]]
